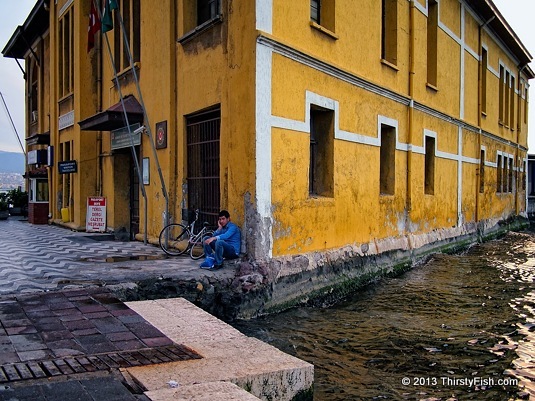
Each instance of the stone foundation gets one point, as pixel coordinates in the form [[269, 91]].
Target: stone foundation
[[318, 278]]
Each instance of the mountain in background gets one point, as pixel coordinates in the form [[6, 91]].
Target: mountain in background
[[11, 162]]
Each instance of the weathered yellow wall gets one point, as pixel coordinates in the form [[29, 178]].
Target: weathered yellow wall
[[304, 223], [341, 63]]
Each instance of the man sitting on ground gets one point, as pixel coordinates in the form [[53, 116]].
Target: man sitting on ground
[[225, 243]]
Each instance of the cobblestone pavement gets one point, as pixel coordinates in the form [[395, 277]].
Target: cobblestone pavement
[[43, 258], [62, 335]]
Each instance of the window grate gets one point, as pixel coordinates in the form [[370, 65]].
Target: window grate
[[203, 134]]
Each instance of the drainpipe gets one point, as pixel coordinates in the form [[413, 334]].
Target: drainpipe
[[518, 158], [479, 112], [411, 111], [98, 52], [173, 160]]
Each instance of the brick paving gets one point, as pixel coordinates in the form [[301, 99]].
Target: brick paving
[[77, 331], [63, 335]]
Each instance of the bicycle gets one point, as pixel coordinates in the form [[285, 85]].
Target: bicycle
[[177, 239]]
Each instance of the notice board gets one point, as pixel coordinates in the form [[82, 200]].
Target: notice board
[[96, 214]]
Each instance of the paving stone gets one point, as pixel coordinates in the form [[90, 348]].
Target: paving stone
[[121, 336], [11, 331], [98, 315], [31, 393], [107, 389], [27, 342], [61, 305], [79, 324], [85, 332], [109, 325], [69, 314], [56, 335], [53, 326], [92, 308], [72, 317], [35, 355], [128, 345], [16, 322], [99, 348], [158, 341], [92, 339], [144, 330], [69, 390], [9, 357]]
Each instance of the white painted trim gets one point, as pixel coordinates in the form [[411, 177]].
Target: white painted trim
[[64, 8], [263, 147], [461, 66], [66, 120], [312, 98], [420, 8], [495, 72], [460, 177], [264, 15], [358, 82]]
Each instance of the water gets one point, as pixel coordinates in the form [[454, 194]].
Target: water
[[461, 327]]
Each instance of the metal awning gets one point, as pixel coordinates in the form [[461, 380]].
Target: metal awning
[[39, 139], [113, 118], [26, 34]]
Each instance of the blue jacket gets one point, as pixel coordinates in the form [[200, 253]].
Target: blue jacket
[[231, 235]]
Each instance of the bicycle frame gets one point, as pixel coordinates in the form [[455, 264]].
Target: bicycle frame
[[194, 244]]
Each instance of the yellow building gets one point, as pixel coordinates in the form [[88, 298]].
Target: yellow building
[[330, 129]]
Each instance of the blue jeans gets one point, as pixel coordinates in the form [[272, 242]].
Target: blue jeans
[[218, 250]]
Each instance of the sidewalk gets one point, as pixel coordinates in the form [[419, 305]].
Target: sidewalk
[[47, 258], [64, 333], [75, 341]]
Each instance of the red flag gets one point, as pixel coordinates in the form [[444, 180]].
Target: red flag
[[94, 26]]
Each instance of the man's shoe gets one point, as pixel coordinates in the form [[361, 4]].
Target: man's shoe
[[208, 263]]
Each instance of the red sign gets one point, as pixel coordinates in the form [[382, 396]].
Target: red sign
[[96, 214]]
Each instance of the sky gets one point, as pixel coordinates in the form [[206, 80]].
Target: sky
[[519, 14]]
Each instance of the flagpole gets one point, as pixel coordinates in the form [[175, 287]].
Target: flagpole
[[147, 126], [132, 146], [12, 124]]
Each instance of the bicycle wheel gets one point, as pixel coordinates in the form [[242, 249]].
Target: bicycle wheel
[[174, 239], [197, 251]]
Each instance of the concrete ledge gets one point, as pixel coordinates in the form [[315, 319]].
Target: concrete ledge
[[220, 391], [228, 355]]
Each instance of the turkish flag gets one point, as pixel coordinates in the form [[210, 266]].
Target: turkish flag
[[94, 26]]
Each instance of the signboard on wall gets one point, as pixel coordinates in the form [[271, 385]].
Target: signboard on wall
[[161, 135], [125, 137], [37, 157], [96, 214], [67, 167]]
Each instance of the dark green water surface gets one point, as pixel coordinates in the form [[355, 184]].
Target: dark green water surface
[[457, 328]]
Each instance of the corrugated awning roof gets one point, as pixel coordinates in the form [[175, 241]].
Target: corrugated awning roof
[[113, 117]]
